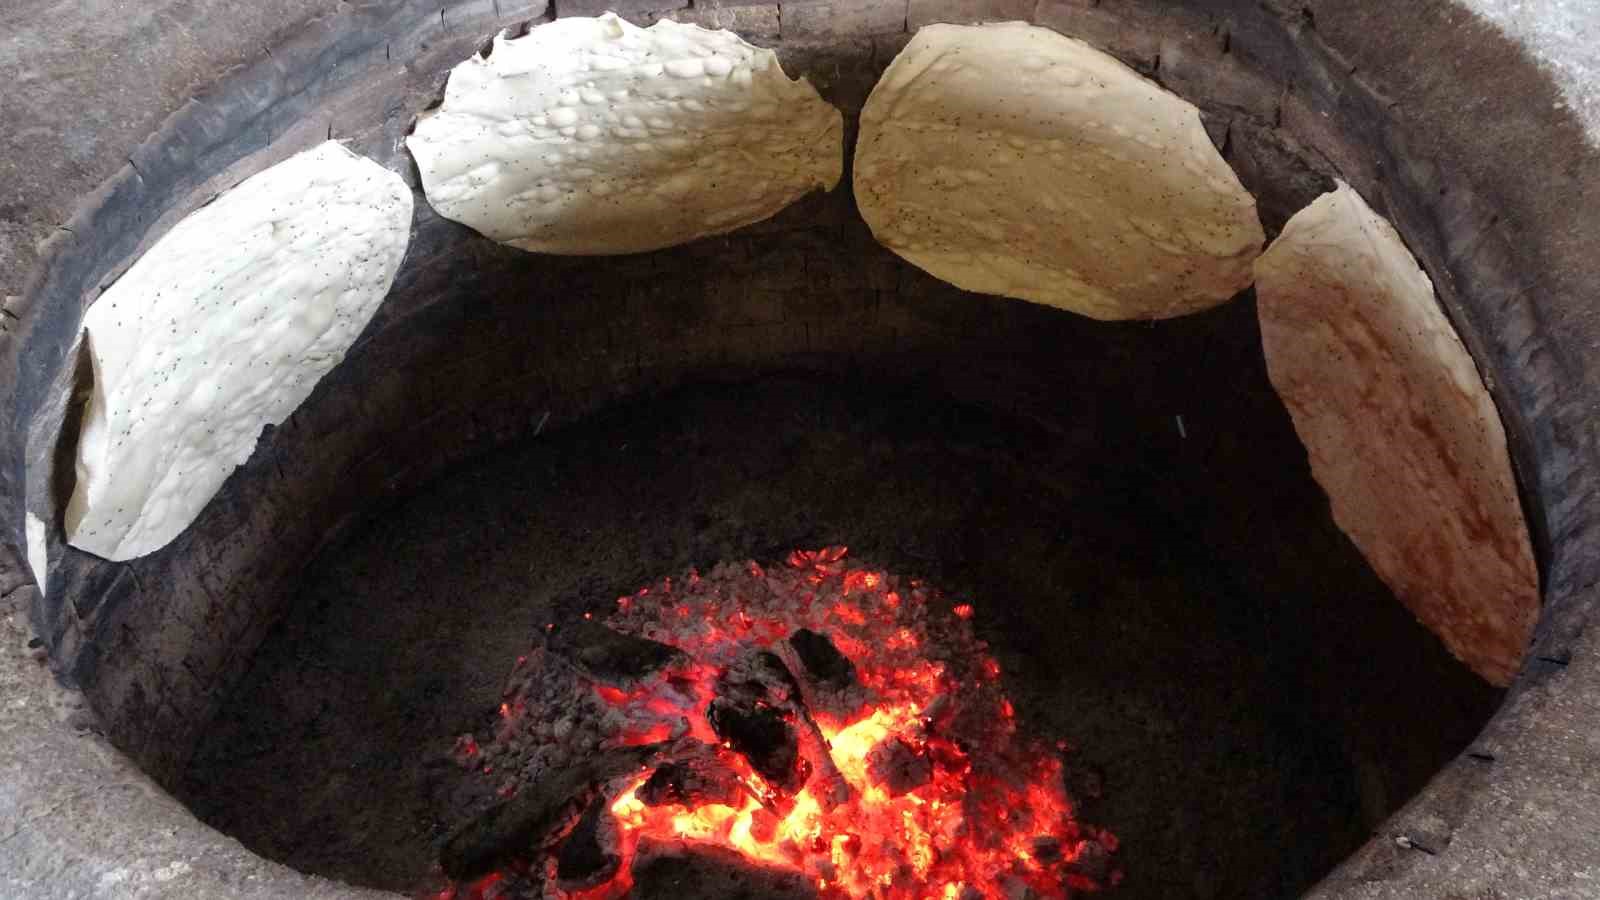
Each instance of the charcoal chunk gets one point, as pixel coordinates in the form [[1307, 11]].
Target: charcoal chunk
[[710, 871], [534, 817], [592, 853], [696, 778], [898, 767], [539, 815], [760, 675], [610, 656], [763, 714], [824, 665], [763, 735], [755, 711], [1091, 861], [1046, 849]]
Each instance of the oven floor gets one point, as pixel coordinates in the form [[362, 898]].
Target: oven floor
[[1179, 608]]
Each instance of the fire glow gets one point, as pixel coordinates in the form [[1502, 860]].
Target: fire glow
[[910, 782]]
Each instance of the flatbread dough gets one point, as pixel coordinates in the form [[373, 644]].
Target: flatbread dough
[[223, 327], [38, 549], [595, 136], [1400, 430], [1009, 159]]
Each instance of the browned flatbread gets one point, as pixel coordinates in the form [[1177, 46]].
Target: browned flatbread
[[1400, 430], [1008, 159]]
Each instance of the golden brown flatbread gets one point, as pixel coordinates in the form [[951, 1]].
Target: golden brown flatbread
[[1401, 432], [1008, 159]]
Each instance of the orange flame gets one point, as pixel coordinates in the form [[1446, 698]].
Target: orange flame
[[975, 823]]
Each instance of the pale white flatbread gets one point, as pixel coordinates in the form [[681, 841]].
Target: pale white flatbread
[[595, 136], [223, 327], [38, 549], [1008, 159], [1401, 432]]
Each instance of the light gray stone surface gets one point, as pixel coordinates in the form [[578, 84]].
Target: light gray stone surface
[[78, 820], [1564, 35]]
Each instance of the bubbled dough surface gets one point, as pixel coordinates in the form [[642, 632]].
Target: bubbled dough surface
[[1400, 430], [1008, 159], [595, 136], [223, 327]]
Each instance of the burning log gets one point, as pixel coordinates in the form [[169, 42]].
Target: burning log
[[764, 736], [826, 677], [759, 676], [609, 656], [538, 816], [760, 711], [753, 714], [697, 778], [592, 853]]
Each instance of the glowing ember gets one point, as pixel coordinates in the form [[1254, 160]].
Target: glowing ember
[[891, 760]]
